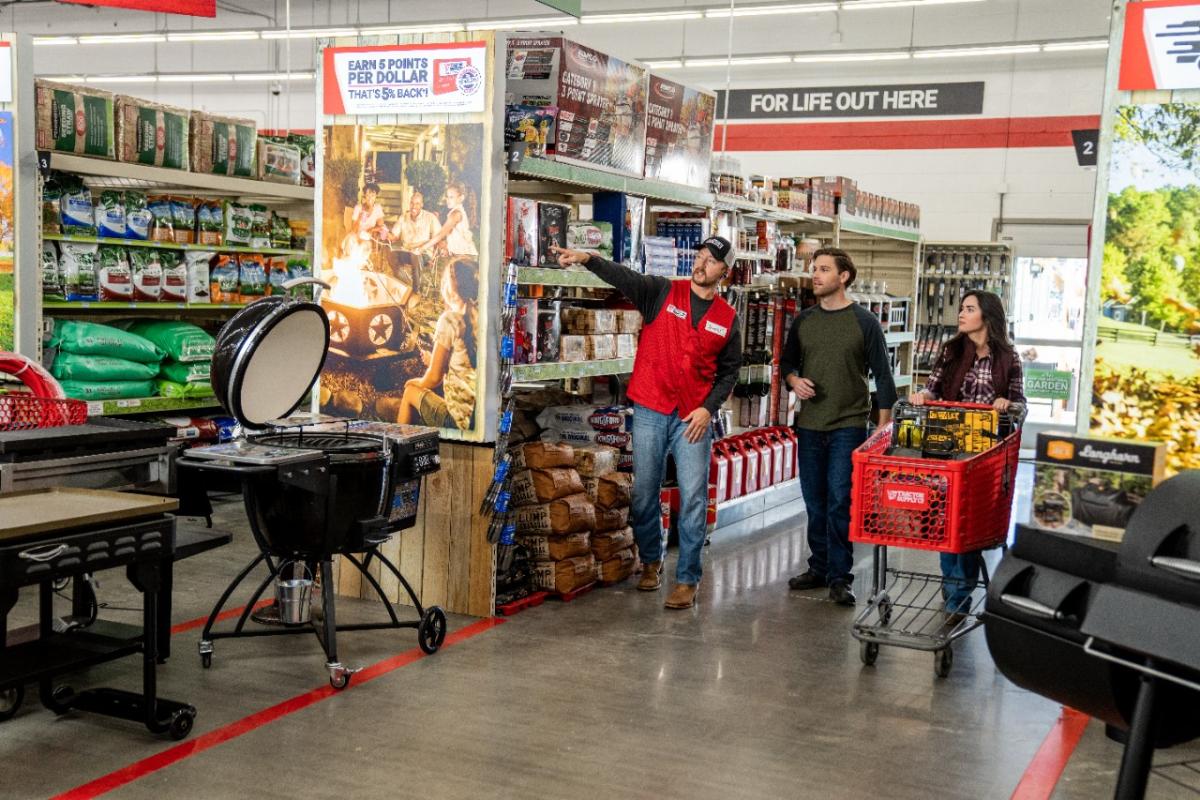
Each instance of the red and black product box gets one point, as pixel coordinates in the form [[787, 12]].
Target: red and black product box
[[552, 231], [549, 329], [521, 240], [844, 189], [601, 100], [679, 133]]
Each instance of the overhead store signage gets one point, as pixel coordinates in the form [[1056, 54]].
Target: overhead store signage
[[572, 7], [896, 100], [192, 8], [1161, 46], [405, 79], [1049, 384]]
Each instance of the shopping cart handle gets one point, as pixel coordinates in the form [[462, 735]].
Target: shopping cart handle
[[1030, 606]]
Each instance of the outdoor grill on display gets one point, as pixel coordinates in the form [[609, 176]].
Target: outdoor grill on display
[[314, 487], [1109, 629]]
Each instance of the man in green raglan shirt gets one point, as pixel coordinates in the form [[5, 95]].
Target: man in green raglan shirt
[[832, 349]]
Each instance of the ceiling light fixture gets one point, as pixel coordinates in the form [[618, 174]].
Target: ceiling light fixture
[[960, 52], [51, 41], [1063, 47], [121, 79], [745, 61], [648, 16], [521, 24], [188, 77], [123, 38], [310, 33], [274, 76], [669, 64], [771, 10], [212, 36], [836, 57], [407, 30], [868, 5]]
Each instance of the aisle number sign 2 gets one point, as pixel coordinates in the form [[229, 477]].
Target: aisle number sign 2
[[405, 79], [1161, 45]]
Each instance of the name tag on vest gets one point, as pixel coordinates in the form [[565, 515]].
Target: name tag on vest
[[719, 330], [679, 312]]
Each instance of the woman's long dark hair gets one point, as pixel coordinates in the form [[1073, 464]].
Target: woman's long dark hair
[[994, 320], [464, 275]]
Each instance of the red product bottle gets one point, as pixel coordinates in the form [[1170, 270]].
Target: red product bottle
[[752, 464], [766, 467], [718, 475], [788, 437], [777, 468], [737, 468]]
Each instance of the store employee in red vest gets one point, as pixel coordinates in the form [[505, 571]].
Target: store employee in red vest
[[687, 363]]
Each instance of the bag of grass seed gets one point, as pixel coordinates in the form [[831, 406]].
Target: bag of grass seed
[[110, 215], [139, 221]]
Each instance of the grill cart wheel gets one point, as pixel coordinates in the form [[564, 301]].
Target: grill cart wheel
[[942, 661], [10, 702], [340, 681], [868, 652], [432, 630], [182, 722]]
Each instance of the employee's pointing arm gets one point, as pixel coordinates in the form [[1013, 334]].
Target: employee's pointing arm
[[644, 291]]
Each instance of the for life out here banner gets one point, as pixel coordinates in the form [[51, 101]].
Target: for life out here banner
[[405, 79]]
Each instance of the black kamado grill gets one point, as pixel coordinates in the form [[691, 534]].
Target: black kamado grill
[[1110, 629], [314, 487]]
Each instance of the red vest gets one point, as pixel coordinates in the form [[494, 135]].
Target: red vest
[[676, 363]]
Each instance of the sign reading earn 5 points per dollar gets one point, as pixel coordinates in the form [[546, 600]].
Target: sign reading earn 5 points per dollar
[[405, 79]]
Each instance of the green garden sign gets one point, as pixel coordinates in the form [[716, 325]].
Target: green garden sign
[[1048, 384]]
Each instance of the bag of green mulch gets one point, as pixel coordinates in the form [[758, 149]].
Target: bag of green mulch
[[182, 341], [193, 372], [100, 369], [107, 390], [94, 339], [183, 390]]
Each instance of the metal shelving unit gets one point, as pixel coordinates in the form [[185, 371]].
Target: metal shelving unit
[[150, 405], [264, 251], [120, 306], [562, 370], [551, 276]]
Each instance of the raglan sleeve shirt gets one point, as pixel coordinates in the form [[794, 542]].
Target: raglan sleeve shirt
[[878, 363]]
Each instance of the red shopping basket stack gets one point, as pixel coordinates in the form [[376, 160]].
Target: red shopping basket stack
[[931, 504], [24, 412]]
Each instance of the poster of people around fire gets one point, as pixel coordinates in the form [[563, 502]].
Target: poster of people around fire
[[400, 245], [1147, 372]]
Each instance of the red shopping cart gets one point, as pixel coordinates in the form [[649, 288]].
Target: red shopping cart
[[902, 498]]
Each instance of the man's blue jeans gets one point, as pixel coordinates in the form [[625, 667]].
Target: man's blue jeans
[[655, 435], [825, 471], [963, 571]]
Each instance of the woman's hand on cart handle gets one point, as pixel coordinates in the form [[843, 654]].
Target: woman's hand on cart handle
[[1002, 404], [917, 398]]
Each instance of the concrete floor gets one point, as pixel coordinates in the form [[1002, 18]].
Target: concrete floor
[[757, 693]]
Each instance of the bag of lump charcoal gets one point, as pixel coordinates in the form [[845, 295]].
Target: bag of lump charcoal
[[571, 514], [615, 490], [607, 544], [585, 418], [107, 390], [72, 119], [618, 439], [152, 133], [182, 341], [222, 145], [554, 548], [112, 274], [530, 486], [589, 320], [543, 455], [593, 460], [52, 288], [611, 519], [94, 339], [147, 274], [617, 568], [100, 369], [564, 576]]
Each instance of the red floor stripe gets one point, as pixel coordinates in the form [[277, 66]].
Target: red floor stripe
[[198, 622], [207, 741], [1051, 759]]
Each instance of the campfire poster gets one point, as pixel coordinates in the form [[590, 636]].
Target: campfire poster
[[400, 244], [1147, 373]]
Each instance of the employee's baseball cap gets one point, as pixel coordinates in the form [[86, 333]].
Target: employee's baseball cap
[[720, 247]]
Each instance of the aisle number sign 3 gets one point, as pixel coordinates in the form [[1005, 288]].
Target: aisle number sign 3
[[1161, 46], [405, 79]]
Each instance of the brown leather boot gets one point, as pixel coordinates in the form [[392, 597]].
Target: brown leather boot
[[682, 596], [651, 577]]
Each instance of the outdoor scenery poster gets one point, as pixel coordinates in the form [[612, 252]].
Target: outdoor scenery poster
[[400, 244], [7, 287], [1147, 378]]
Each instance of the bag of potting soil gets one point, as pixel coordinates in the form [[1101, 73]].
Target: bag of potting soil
[[94, 339], [110, 215], [112, 274], [223, 280], [163, 229], [181, 372], [183, 390], [181, 341], [51, 279], [139, 221], [175, 276], [197, 265], [75, 205], [107, 390], [77, 268], [252, 277], [147, 274], [100, 369], [183, 217], [239, 221], [210, 219], [260, 226]]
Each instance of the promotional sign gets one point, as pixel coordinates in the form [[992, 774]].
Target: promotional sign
[[1161, 45], [6, 73], [679, 132], [192, 8], [405, 79], [894, 100], [7, 278], [1048, 384]]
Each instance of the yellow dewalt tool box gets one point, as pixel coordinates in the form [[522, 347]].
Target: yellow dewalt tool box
[[939, 432]]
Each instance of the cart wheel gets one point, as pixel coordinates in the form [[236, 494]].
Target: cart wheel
[[868, 652], [182, 722], [341, 680], [432, 630], [60, 699], [10, 701], [206, 660], [942, 661]]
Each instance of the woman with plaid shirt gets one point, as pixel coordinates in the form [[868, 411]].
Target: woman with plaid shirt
[[979, 365]]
